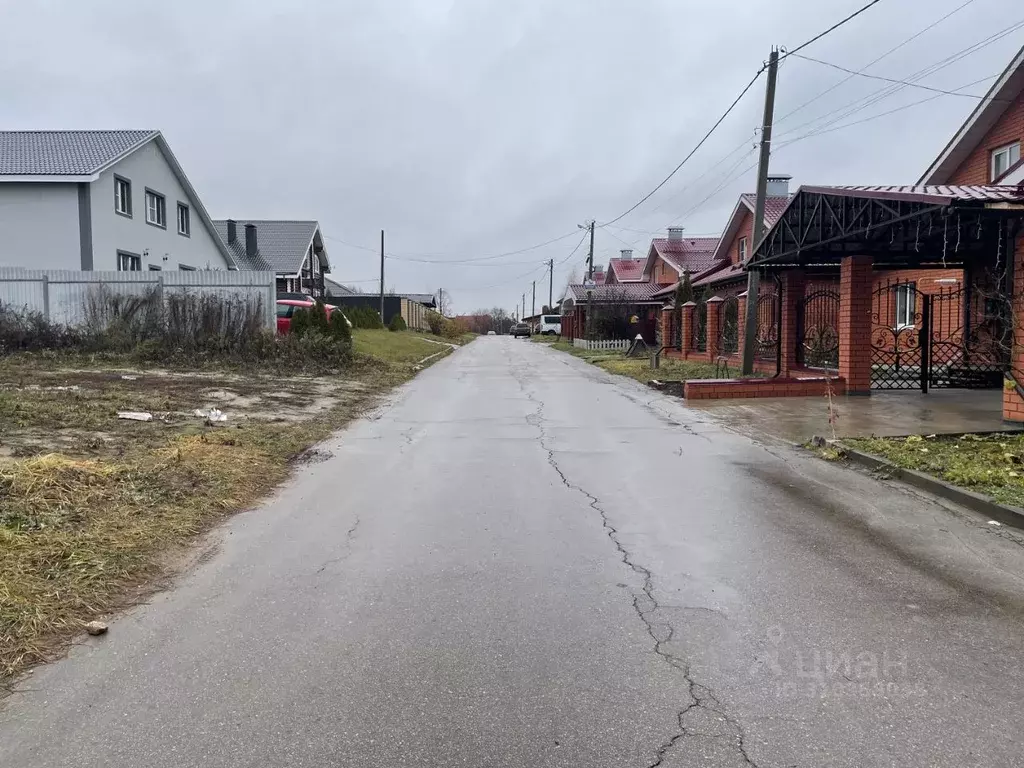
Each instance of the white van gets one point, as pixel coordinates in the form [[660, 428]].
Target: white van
[[550, 325]]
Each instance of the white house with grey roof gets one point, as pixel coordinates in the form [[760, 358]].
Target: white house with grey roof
[[293, 250], [101, 200]]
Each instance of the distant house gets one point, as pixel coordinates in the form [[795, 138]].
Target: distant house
[[411, 306], [293, 250], [101, 200], [333, 288], [669, 258], [624, 269]]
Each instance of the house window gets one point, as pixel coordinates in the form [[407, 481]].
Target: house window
[[743, 250], [128, 262], [122, 196], [184, 220], [906, 300], [156, 209], [1004, 158]]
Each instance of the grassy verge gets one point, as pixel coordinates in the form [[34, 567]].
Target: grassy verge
[[639, 368], [94, 509], [988, 464]]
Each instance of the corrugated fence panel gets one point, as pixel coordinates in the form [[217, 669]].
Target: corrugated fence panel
[[63, 295]]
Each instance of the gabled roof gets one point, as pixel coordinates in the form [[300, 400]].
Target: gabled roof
[[65, 153], [939, 194], [773, 208], [281, 244], [627, 293], [691, 254], [335, 288], [599, 278], [81, 156], [626, 270], [985, 115]]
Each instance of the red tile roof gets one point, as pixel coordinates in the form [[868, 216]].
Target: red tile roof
[[599, 278], [773, 207], [624, 292], [720, 274], [928, 194], [627, 270], [691, 254]]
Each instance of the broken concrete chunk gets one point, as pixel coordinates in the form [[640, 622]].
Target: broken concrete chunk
[[212, 415], [96, 628], [135, 415]]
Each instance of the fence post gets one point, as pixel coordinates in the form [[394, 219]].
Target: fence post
[[714, 330], [686, 329], [272, 303], [46, 297]]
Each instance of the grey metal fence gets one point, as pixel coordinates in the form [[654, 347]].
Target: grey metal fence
[[62, 295]]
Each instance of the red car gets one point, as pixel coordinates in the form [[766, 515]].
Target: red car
[[286, 308]]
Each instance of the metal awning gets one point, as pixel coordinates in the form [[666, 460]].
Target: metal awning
[[920, 226]]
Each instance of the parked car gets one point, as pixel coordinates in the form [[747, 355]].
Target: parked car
[[491, 333], [520, 329], [551, 325], [286, 308]]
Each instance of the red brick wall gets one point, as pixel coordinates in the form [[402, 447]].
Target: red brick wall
[[715, 389], [745, 230], [1013, 405], [976, 169]]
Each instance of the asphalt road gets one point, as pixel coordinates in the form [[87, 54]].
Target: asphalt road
[[523, 562]]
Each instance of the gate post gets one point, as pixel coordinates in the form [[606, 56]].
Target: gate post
[[714, 330], [793, 286], [686, 329], [924, 342], [855, 278]]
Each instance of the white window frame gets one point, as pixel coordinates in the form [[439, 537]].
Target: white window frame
[[185, 230], [906, 305], [156, 209], [128, 262], [743, 250], [123, 196], [1011, 153]]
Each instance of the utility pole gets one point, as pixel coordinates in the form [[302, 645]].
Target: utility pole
[[533, 305], [440, 301], [590, 257], [551, 285], [524, 305], [753, 276], [382, 276]]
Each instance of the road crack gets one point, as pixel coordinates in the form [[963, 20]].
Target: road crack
[[703, 703], [346, 547]]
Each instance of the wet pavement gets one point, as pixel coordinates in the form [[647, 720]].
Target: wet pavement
[[882, 414], [524, 561]]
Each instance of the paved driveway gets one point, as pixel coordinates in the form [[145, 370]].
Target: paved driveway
[[524, 561]]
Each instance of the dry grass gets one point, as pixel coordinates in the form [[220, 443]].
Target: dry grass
[[91, 506], [988, 464]]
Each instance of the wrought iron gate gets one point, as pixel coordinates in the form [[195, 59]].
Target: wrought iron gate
[[729, 326], [953, 338], [818, 329], [766, 342]]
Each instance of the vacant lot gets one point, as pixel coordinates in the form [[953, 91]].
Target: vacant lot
[[988, 464], [639, 368], [93, 507]]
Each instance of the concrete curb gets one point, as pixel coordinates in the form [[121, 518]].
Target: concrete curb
[[1013, 516]]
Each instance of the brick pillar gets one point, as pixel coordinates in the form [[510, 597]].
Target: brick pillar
[[741, 327], [665, 324], [793, 286], [1013, 403], [686, 332], [855, 278], [714, 312]]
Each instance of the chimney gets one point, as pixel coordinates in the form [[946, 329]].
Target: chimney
[[232, 231], [675, 234], [778, 186], [250, 240], [626, 253]]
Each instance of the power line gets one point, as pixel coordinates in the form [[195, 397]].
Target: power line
[[899, 82], [874, 61], [831, 29], [675, 170], [885, 92], [823, 130]]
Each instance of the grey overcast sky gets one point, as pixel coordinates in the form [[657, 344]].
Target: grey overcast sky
[[467, 128]]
